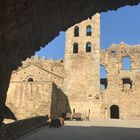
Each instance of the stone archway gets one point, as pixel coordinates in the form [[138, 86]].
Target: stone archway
[[114, 112]]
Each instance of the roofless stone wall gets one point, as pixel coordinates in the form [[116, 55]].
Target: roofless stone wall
[[123, 84], [27, 25]]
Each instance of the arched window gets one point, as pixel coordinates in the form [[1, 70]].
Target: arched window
[[30, 79], [126, 63], [114, 112], [76, 31], [127, 84], [88, 47], [103, 78], [75, 48], [89, 30]]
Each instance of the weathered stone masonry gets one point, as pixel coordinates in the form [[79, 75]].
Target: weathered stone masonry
[[26, 25], [51, 88], [125, 95], [35, 88], [120, 98], [82, 68]]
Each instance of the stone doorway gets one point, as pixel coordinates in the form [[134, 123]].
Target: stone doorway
[[114, 112]]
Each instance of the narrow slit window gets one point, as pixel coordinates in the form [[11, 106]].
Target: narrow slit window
[[103, 78], [76, 31], [89, 30], [88, 47], [75, 48]]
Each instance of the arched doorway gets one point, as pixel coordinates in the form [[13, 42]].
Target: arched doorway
[[114, 112]]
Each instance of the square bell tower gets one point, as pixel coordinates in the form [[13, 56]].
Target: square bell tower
[[82, 67]]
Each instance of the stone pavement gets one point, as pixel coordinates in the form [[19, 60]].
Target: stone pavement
[[89, 130]]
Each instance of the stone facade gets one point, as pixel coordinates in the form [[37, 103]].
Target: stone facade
[[120, 97], [82, 69], [48, 87], [124, 94], [35, 88], [43, 20]]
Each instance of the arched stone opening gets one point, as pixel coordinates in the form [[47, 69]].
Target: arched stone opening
[[75, 48], [88, 47], [127, 84], [114, 112], [126, 63], [76, 31], [30, 79], [103, 78], [89, 30]]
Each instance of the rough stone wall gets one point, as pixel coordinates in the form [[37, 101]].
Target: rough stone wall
[[81, 83], [62, 102], [27, 25], [81, 89], [40, 70], [41, 96], [82, 75], [126, 99], [32, 99]]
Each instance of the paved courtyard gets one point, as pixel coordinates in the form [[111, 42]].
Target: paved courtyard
[[89, 130]]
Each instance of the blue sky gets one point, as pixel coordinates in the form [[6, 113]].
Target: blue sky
[[116, 26]]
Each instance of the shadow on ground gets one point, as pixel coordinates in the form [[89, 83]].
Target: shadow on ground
[[16, 129], [84, 133]]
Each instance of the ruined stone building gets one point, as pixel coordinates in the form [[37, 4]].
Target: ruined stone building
[[36, 87], [75, 85]]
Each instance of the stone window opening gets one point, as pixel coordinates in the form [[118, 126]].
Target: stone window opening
[[103, 78], [127, 84], [76, 31], [89, 30], [126, 63], [30, 79], [113, 52], [88, 47], [75, 48]]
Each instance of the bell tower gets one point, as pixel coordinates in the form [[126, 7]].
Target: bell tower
[[82, 67]]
